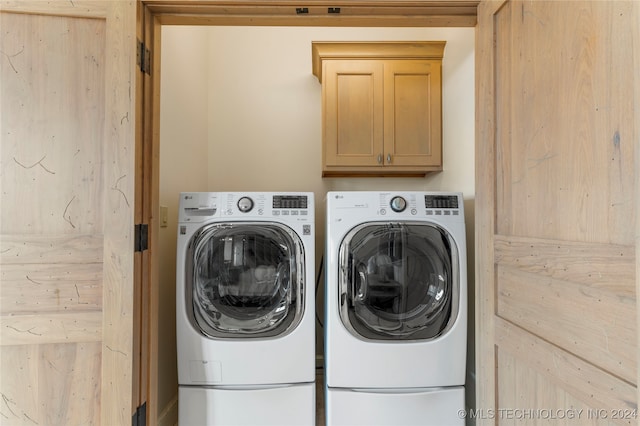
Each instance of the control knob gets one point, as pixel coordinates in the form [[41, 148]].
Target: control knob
[[245, 204], [398, 204]]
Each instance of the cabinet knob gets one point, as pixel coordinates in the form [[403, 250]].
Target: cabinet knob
[[388, 158], [379, 158]]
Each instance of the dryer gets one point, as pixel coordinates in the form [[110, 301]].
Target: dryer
[[245, 310], [396, 308]]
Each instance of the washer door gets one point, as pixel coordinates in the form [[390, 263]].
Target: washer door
[[245, 280], [398, 281]]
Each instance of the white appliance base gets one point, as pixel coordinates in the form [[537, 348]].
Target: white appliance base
[[278, 405], [369, 407]]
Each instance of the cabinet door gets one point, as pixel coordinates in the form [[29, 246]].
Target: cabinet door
[[353, 113], [412, 113]]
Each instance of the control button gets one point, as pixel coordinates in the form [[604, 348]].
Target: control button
[[383, 211], [245, 204], [414, 212], [398, 204]]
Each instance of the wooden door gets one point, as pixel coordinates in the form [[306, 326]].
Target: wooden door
[[66, 224], [557, 207], [413, 114], [352, 113]]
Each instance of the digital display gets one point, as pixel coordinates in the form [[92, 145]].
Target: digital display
[[441, 201], [290, 202]]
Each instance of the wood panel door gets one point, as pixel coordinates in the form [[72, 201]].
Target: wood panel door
[[67, 208], [557, 205]]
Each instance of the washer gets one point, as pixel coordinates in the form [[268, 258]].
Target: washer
[[245, 310], [396, 308]]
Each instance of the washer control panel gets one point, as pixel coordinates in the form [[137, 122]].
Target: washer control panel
[[201, 207]]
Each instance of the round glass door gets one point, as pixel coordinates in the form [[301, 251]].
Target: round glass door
[[398, 281], [245, 280]]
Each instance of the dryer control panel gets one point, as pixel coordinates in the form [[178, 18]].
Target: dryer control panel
[[391, 205]]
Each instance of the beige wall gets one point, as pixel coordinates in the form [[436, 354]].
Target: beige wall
[[247, 116], [183, 164]]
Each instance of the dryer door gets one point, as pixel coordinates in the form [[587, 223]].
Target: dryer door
[[398, 281], [245, 280]]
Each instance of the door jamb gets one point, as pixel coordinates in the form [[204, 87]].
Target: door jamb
[[152, 14]]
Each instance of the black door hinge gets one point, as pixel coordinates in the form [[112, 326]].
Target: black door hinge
[[141, 237], [140, 416], [143, 57]]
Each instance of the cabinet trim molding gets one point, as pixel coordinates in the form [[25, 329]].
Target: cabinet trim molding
[[321, 51]]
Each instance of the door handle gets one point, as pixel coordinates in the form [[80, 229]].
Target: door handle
[[388, 158], [379, 158]]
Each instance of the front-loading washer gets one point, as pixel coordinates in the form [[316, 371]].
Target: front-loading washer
[[245, 310], [395, 308]]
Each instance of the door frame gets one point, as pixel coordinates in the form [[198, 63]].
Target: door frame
[[152, 15], [386, 13]]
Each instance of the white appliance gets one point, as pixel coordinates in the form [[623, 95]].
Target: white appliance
[[396, 308], [245, 310]]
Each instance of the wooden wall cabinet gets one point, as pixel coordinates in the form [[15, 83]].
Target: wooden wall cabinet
[[381, 107]]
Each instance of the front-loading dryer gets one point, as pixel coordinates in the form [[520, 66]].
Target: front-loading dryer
[[396, 308], [245, 310]]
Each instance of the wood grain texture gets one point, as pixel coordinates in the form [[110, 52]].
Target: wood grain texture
[[636, 119], [353, 133], [381, 107], [592, 323], [556, 197], [553, 404], [76, 8], [413, 124], [323, 51], [25, 249], [41, 288], [355, 14], [146, 331], [605, 266], [51, 328], [119, 184], [61, 62], [52, 116], [565, 374], [485, 165], [566, 146], [52, 384], [51, 244]]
